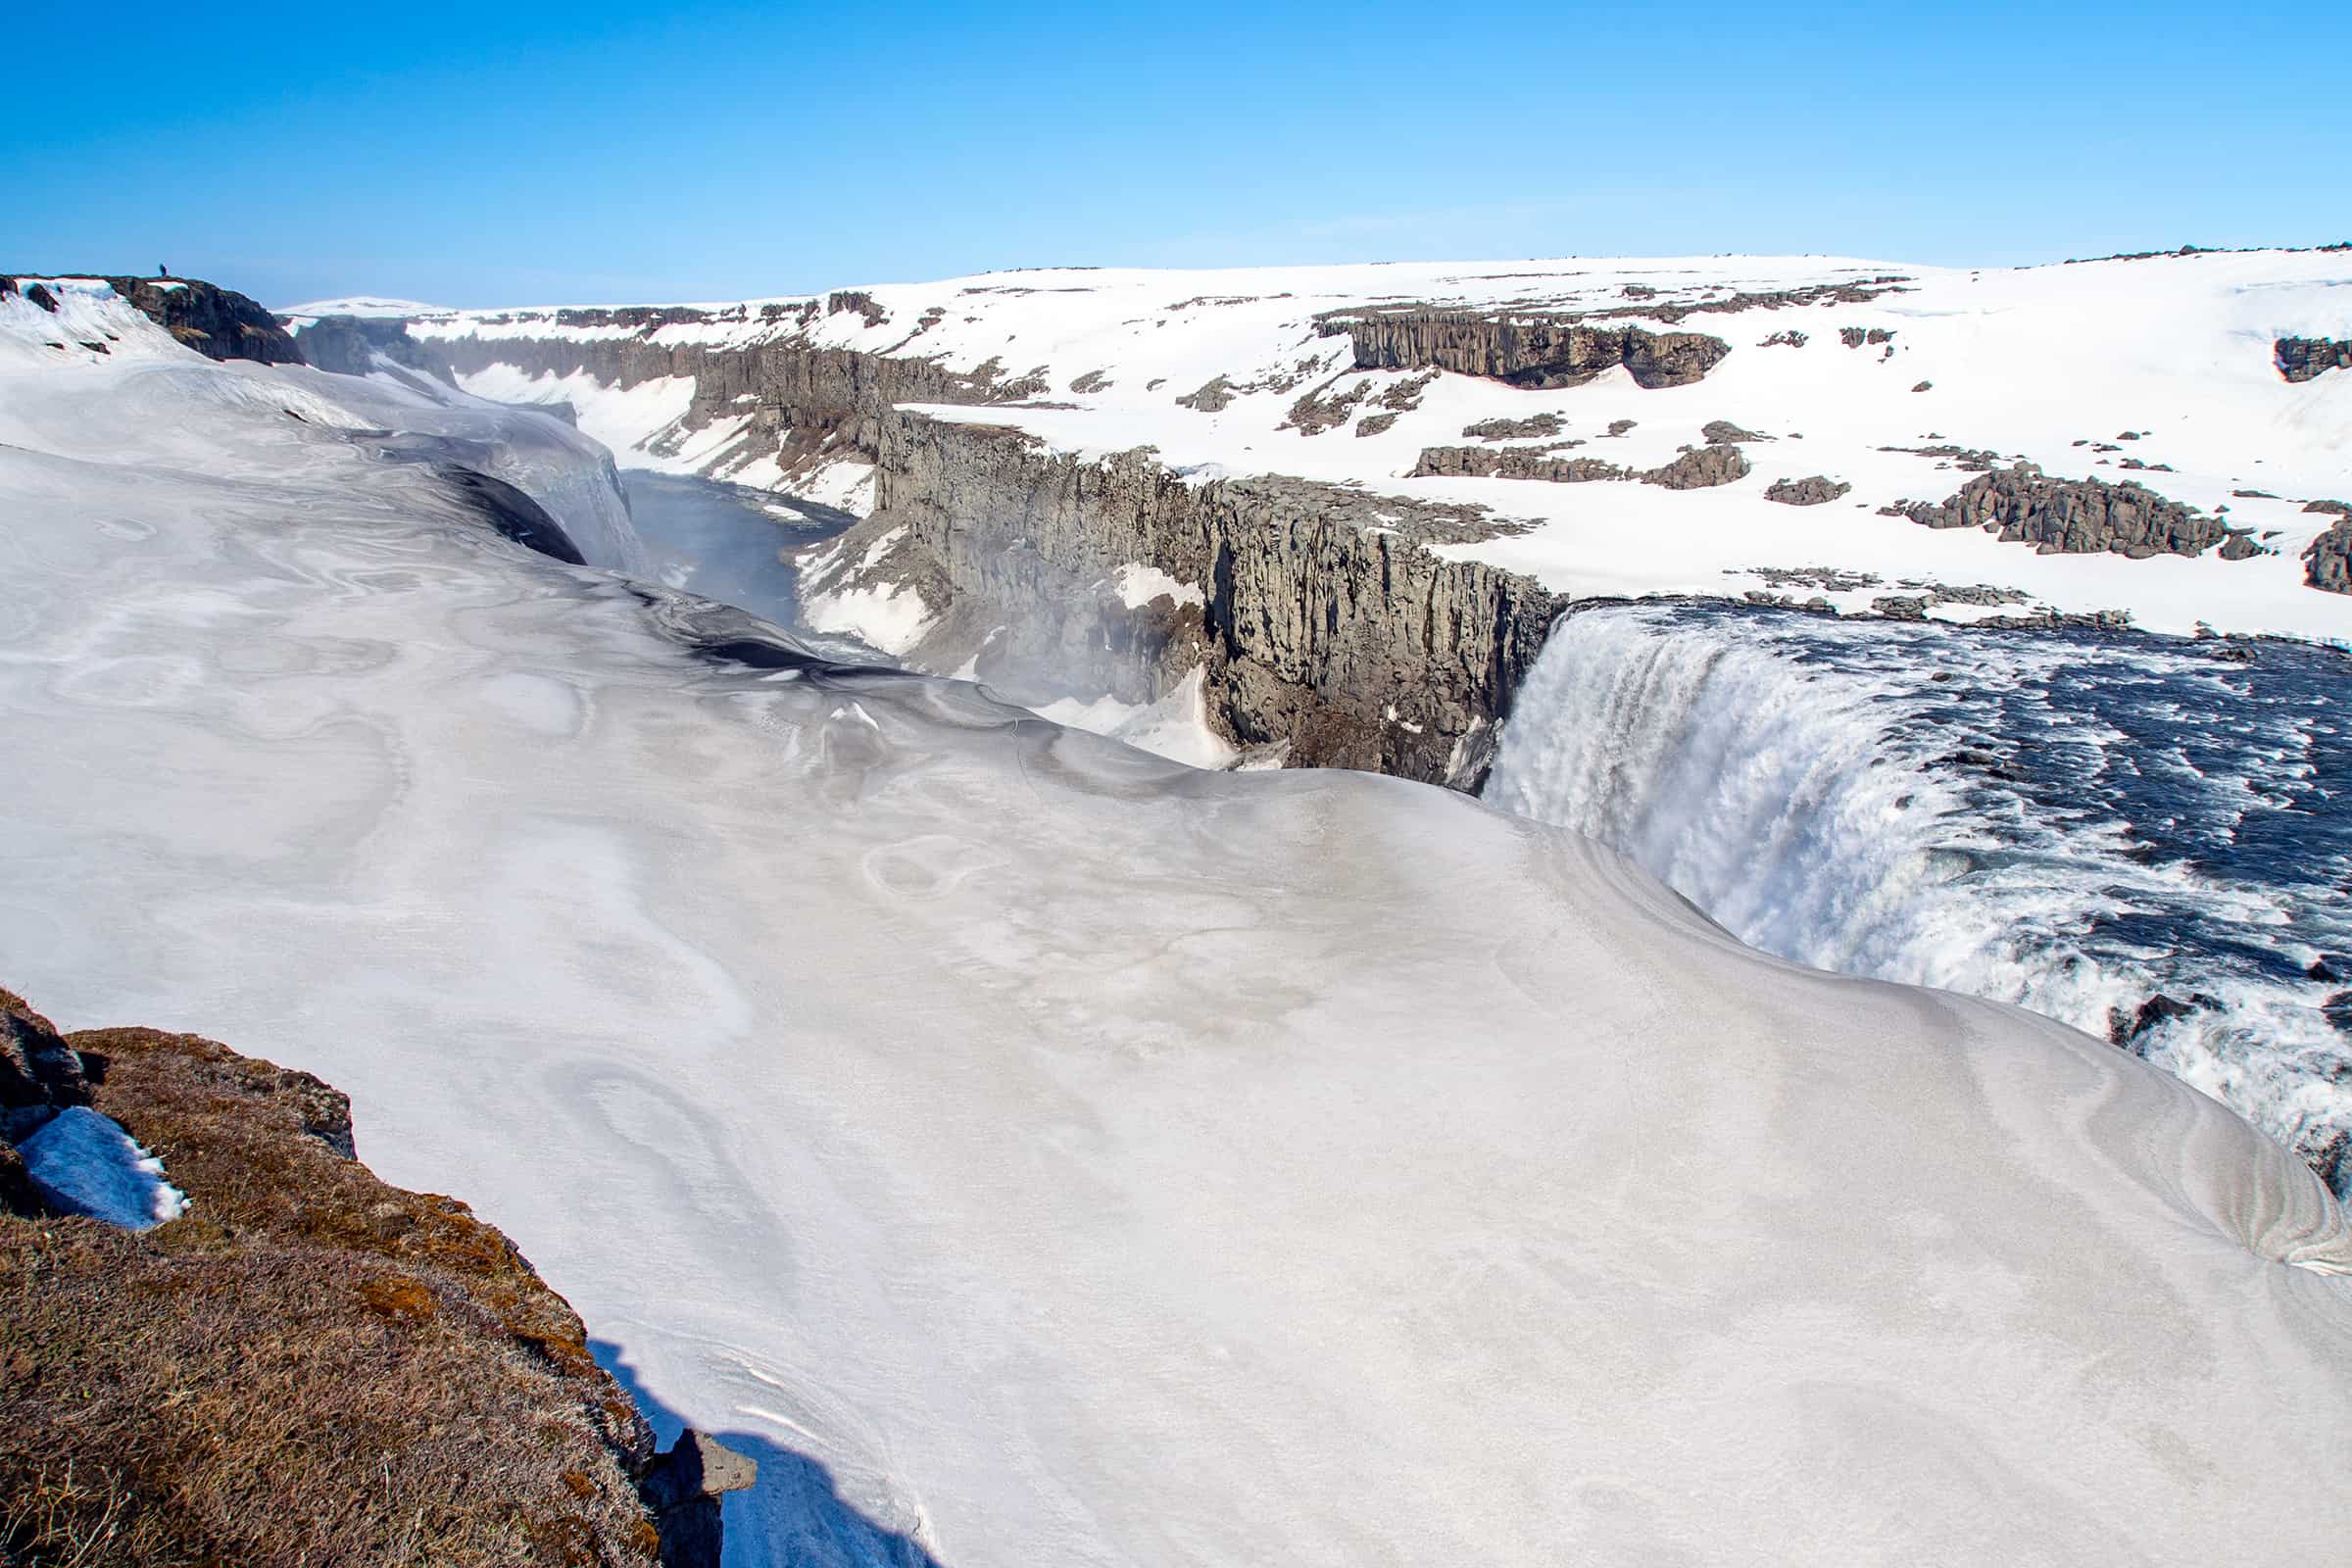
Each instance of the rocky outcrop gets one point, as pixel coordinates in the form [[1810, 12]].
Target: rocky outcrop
[[1813, 490], [2303, 358], [1515, 462], [1534, 427], [1701, 469], [305, 1365], [2328, 563], [2072, 516], [1325, 622], [1525, 350], [217, 323], [1695, 469]]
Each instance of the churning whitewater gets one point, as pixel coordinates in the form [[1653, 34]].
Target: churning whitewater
[[2128, 833]]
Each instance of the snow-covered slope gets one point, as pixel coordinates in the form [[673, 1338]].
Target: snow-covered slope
[[1077, 1158], [2156, 369]]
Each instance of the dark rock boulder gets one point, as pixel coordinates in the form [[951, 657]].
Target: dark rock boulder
[[2072, 516], [2303, 358], [39, 1074], [1813, 490], [1722, 433], [2328, 563], [1701, 469]]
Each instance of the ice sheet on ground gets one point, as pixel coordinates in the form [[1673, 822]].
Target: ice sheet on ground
[[85, 1163]]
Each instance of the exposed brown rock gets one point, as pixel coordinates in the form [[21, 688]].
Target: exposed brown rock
[[1701, 469], [2072, 517], [1813, 490], [217, 323], [2328, 563], [1533, 428], [1526, 351], [2303, 358], [1211, 397]]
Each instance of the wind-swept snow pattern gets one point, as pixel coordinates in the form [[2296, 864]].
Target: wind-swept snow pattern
[[2128, 834], [85, 1163], [1074, 1157]]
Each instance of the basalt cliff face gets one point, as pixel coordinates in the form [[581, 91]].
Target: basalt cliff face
[[807, 404], [1531, 352], [1323, 620], [218, 322]]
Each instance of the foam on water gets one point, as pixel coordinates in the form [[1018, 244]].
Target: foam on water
[[2070, 821]]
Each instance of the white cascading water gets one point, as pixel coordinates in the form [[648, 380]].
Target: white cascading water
[[2071, 825]]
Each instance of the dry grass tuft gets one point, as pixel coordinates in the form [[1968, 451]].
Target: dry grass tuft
[[309, 1366]]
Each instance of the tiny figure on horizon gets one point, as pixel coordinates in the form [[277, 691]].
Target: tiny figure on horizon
[[161, 270]]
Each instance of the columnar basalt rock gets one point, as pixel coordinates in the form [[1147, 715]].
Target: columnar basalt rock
[[806, 402], [2328, 563], [1526, 351], [2304, 358], [1814, 490], [1326, 623], [217, 323], [2072, 516], [1696, 469]]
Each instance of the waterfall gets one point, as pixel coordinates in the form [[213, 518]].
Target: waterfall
[[2074, 825]]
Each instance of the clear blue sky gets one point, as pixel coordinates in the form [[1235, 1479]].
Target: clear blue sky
[[486, 154]]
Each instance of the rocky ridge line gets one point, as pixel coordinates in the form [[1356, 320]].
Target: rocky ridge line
[[1695, 469], [2078, 517], [1522, 350]]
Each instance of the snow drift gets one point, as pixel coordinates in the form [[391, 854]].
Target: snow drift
[[1080, 1158]]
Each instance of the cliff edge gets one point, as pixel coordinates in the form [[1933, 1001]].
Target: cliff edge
[[301, 1364]]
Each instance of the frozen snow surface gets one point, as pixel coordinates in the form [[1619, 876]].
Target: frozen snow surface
[[2053, 364], [1085, 1160], [85, 1164]]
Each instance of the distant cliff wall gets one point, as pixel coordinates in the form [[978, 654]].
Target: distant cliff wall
[[1324, 621], [1523, 351]]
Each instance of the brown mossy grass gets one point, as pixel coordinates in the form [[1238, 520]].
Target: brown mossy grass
[[307, 1367]]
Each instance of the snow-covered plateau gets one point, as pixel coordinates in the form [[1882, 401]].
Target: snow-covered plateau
[[1900, 382], [1037, 1150]]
